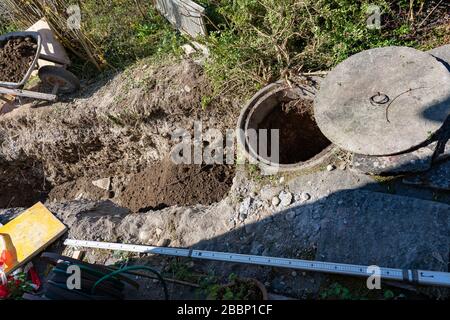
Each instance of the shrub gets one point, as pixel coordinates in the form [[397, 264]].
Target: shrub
[[253, 42]]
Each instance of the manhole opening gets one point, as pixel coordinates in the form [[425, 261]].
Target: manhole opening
[[300, 139], [290, 111]]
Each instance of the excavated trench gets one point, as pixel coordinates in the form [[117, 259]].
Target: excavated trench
[[22, 185], [160, 185], [112, 143]]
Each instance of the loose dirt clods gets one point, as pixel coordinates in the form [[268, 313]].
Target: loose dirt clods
[[22, 187], [16, 56], [161, 185]]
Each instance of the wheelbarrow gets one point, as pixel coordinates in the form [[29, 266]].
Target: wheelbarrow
[[57, 77]]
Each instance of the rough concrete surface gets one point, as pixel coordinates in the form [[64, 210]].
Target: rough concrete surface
[[437, 178], [415, 161]]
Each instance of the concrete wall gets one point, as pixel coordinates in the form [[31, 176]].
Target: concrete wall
[[185, 15]]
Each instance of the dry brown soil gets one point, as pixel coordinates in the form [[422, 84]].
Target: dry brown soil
[[16, 56], [161, 185], [300, 137]]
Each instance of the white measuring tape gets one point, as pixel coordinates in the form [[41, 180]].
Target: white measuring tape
[[432, 278]]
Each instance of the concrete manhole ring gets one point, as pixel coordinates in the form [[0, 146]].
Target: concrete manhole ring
[[384, 101], [260, 108]]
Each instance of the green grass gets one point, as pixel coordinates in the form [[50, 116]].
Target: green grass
[[254, 42], [126, 33], [6, 26]]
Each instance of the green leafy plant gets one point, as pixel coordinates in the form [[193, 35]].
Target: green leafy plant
[[236, 289], [182, 271], [337, 291], [253, 42]]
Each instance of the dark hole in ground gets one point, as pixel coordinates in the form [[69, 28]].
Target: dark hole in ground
[[300, 137], [160, 206]]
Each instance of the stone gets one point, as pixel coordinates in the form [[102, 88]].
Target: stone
[[188, 49], [290, 215], [250, 228], [445, 152], [285, 198], [442, 54], [304, 196], [104, 183], [144, 236], [282, 179], [244, 208], [419, 160], [268, 192], [374, 103], [79, 196], [437, 178], [7, 215], [330, 167], [257, 248], [187, 89], [275, 201], [163, 243]]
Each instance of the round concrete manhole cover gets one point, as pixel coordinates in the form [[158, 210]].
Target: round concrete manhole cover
[[383, 101]]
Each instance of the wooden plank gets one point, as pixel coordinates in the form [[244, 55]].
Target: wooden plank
[[185, 15], [78, 254], [28, 94], [28, 234], [51, 49]]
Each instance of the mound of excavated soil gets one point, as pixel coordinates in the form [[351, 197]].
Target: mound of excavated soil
[[16, 56], [165, 184], [161, 185]]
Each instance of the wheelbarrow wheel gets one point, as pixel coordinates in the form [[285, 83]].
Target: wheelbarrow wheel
[[65, 80]]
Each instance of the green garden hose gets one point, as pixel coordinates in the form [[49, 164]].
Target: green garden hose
[[124, 270]]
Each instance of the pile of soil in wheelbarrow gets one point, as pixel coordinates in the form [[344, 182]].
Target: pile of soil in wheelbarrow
[[300, 137], [16, 56]]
